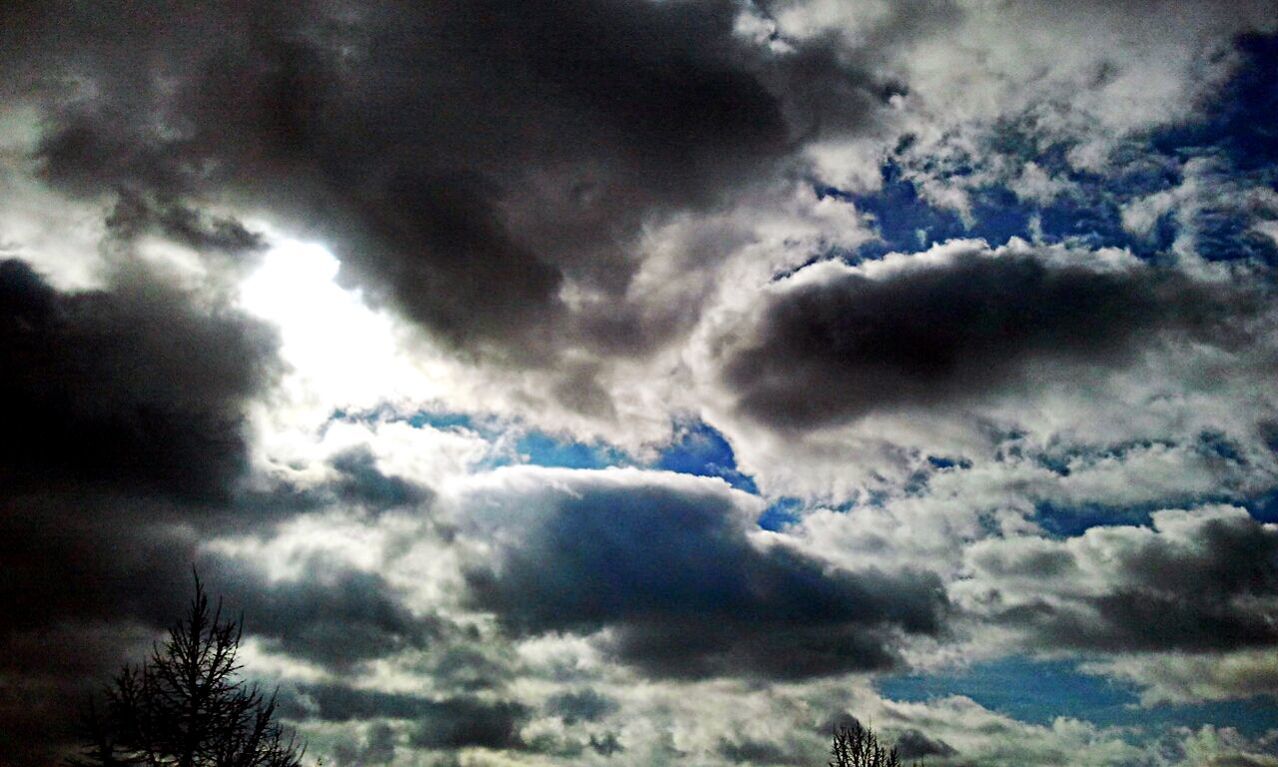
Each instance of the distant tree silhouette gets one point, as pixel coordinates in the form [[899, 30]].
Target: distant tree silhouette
[[854, 745], [185, 706]]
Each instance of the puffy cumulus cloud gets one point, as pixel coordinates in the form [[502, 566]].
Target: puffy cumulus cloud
[[942, 506], [669, 572], [1201, 580], [982, 736]]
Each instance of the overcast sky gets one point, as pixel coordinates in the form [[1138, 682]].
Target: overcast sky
[[651, 382]]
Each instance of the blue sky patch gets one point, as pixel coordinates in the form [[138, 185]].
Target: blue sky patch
[[781, 514], [1040, 690], [702, 450], [541, 449]]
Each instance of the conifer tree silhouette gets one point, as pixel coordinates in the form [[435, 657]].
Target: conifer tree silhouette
[[185, 705]]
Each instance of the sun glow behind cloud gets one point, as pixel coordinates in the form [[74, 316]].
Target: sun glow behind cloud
[[343, 350]]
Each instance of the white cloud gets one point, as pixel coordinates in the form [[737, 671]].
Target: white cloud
[[1175, 678]]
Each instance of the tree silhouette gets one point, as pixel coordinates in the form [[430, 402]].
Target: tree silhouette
[[856, 746], [185, 706]]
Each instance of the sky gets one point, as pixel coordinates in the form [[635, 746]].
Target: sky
[[650, 382]]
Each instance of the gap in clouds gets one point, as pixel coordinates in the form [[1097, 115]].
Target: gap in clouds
[[1054, 201], [1040, 690]]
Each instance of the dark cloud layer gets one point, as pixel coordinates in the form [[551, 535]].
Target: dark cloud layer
[[125, 443], [464, 159], [133, 388], [584, 705], [364, 483], [687, 594], [748, 751], [329, 613], [834, 350], [85, 595], [1211, 587], [915, 744], [124, 434], [446, 723], [135, 214]]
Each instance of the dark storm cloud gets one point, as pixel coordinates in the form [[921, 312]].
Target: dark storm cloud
[[364, 483], [329, 613], [124, 445], [132, 388], [913, 744], [688, 594], [1211, 587], [445, 723], [464, 722], [123, 437], [464, 159], [88, 579], [830, 351], [91, 578], [135, 214], [747, 751], [584, 705]]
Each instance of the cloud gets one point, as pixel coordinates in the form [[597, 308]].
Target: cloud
[[912, 743], [445, 723], [835, 343], [1082, 79], [135, 214], [134, 388], [667, 567], [583, 705], [748, 751], [1179, 677], [125, 437], [376, 747], [471, 167], [1201, 580], [1226, 747], [361, 481], [464, 722], [327, 611]]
